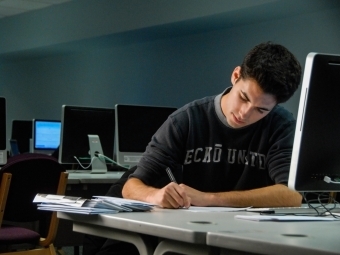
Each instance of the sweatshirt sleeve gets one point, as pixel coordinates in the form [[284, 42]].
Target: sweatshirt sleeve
[[280, 151], [164, 150]]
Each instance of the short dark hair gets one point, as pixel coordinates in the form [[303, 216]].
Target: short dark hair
[[274, 68]]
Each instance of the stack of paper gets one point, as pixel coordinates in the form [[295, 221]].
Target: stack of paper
[[96, 205]]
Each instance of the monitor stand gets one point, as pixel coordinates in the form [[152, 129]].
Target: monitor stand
[[3, 157], [98, 165]]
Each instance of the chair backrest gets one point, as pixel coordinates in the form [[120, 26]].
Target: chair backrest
[[4, 188], [32, 173]]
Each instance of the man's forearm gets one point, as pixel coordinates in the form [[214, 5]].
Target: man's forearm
[[170, 196], [136, 189], [271, 196]]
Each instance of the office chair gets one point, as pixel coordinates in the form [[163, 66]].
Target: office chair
[[29, 174], [4, 188]]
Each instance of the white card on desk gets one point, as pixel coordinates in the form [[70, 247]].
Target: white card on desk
[[214, 209], [283, 218]]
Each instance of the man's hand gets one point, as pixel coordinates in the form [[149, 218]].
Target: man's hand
[[170, 196]]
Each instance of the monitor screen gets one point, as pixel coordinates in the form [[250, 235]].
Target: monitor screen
[[46, 135], [135, 125], [22, 133], [317, 142], [3, 143], [78, 122]]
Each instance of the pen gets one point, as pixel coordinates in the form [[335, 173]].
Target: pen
[[171, 176]]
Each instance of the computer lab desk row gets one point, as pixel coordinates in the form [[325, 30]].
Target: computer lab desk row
[[86, 185], [82, 177], [202, 233]]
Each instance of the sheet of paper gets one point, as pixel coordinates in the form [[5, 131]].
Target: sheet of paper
[[283, 218], [128, 204], [214, 209], [77, 210], [59, 199]]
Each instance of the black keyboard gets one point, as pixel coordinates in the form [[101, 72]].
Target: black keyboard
[[289, 210]]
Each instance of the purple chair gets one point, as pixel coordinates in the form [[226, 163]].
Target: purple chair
[[29, 174]]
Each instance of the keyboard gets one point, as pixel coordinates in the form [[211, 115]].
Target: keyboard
[[289, 210]]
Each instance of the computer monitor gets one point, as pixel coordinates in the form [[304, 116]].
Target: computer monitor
[[22, 133], [135, 125], [45, 135], [316, 146], [85, 132], [14, 147], [3, 143]]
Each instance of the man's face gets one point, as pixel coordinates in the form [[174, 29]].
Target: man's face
[[246, 103]]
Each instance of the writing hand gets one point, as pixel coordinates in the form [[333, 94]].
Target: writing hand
[[172, 196]]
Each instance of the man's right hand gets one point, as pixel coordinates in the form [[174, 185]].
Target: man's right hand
[[170, 196]]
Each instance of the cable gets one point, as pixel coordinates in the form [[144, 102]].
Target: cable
[[101, 156], [329, 180], [82, 165], [326, 201]]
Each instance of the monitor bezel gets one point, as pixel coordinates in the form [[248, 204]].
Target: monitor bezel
[[3, 134], [314, 180], [131, 158], [34, 136], [17, 134], [64, 159]]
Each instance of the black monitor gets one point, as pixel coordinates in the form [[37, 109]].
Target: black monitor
[[14, 147], [315, 164], [3, 135], [135, 125], [85, 133], [22, 133], [45, 135]]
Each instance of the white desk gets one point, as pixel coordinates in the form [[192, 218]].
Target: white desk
[[176, 225], [276, 238], [198, 233]]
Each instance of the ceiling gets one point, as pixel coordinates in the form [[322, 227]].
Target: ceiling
[[160, 19], [14, 7]]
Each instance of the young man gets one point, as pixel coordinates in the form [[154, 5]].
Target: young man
[[233, 149]]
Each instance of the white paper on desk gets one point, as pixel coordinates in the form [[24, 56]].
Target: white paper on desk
[[128, 204], [59, 199], [283, 218], [214, 209], [78, 210]]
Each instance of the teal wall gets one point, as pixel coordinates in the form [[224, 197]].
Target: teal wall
[[148, 66]]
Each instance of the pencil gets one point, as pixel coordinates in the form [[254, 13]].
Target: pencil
[[171, 176]]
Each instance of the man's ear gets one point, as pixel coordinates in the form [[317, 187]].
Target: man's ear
[[235, 75]]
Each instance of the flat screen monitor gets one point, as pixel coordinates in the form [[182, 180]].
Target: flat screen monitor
[[317, 139], [46, 135], [3, 143], [14, 147], [135, 125], [85, 132], [22, 133]]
